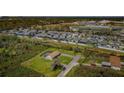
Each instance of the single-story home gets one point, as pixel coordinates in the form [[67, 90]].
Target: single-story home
[[53, 55]]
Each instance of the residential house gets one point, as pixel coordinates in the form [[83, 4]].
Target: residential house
[[53, 55]]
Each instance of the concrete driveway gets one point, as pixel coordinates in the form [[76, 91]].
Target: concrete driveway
[[73, 63]]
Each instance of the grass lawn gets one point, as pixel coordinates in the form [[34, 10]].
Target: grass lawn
[[61, 50], [23, 72], [65, 59], [1, 50], [71, 72], [41, 65], [81, 60], [88, 61]]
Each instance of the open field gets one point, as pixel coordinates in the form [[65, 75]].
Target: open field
[[41, 65]]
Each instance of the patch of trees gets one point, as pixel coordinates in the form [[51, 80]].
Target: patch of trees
[[21, 72], [86, 71], [56, 27], [14, 51], [11, 23], [16, 22]]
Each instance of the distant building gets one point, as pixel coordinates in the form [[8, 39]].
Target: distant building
[[73, 28], [91, 22], [122, 63], [87, 22], [82, 22], [106, 64], [104, 22], [115, 62], [53, 55]]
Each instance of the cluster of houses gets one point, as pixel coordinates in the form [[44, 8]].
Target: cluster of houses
[[64, 36], [74, 37], [82, 34], [104, 41]]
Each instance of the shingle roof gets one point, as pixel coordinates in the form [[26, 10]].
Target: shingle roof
[[54, 54]]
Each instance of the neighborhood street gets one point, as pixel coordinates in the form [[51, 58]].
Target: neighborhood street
[[70, 66]]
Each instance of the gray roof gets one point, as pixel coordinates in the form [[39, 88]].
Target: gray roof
[[106, 63]]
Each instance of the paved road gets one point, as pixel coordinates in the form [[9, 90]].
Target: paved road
[[70, 66], [112, 49], [88, 46], [98, 46]]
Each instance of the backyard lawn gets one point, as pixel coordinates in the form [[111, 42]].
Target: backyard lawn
[[41, 65]]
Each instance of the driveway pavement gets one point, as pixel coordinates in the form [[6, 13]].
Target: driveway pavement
[[70, 66]]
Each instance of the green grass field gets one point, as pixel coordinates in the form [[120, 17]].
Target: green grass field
[[41, 65], [65, 60]]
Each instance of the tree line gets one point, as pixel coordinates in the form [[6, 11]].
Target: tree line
[[15, 22]]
